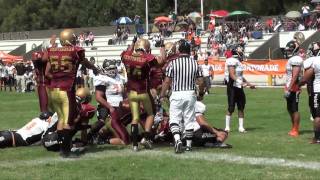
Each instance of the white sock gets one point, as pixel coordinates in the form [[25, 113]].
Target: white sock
[[241, 123], [189, 142], [176, 137], [228, 119]]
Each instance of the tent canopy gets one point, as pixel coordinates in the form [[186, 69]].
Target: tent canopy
[[9, 58]]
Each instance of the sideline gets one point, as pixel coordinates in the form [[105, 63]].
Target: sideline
[[210, 157]]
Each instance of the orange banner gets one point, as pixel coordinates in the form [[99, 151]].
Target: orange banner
[[254, 67]]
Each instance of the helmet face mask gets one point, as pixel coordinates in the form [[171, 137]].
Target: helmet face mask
[[170, 49], [109, 68], [68, 38]]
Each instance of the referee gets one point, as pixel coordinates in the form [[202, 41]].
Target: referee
[[181, 74]]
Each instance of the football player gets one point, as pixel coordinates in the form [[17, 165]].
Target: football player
[[314, 73], [61, 70], [235, 83], [109, 93], [292, 90], [138, 61], [86, 112], [41, 80], [30, 133], [204, 134]]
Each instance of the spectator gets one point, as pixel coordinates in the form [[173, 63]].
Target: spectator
[[197, 41], [137, 23], [89, 39], [3, 76], [207, 72], [29, 80], [81, 39], [20, 79], [11, 73]]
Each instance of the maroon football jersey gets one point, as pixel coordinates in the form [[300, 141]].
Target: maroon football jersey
[[39, 67], [64, 63], [87, 111], [156, 77], [138, 70]]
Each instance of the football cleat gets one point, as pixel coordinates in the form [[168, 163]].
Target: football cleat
[[178, 146], [188, 148], [315, 141], [135, 148], [146, 143], [311, 118], [293, 133], [242, 130], [227, 129]]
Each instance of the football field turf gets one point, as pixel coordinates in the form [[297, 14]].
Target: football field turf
[[264, 152]]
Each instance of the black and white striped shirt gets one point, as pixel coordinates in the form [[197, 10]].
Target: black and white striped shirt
[[183, 71]]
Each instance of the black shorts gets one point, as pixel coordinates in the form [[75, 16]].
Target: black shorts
[[6, 139], [203, 136], [316, 105], [102, 112], [235, 96], [293, 102], [311, 96]]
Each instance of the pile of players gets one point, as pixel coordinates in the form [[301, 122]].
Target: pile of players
[[121, 100]]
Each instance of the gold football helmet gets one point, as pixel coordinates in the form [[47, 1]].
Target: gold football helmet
[[83, 95], [170, 48], [67, 37], [142, 44]]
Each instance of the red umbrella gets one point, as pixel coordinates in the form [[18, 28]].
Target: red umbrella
[[162, 19], [219, 13], [9, 58]]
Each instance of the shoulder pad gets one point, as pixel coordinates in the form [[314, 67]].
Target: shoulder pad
[[200, 107], [232, 61], [296, 61]]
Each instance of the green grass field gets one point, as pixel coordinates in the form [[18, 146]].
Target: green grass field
[[265, 152]]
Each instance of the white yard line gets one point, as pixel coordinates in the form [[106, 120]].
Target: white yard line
[[211, 157]]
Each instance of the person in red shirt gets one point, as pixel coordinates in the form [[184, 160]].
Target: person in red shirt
[[138, 62], [61, 69], [197, 42]]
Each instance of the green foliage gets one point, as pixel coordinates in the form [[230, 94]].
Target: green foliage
[[17, 15]]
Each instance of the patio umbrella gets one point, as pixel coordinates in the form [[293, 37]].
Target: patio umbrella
[[161, 19], [219, 13], [124, 20], [293, 14], [315, 1], [239, 13], [182, 24], [195, 17]]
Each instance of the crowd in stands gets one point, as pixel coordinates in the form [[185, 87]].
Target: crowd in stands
[[85, 39], [17, 76]]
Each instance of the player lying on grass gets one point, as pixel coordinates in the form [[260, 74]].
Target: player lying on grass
[[30, 133], [204, 134]]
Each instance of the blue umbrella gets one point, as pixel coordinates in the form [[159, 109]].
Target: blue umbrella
[[124, 20]]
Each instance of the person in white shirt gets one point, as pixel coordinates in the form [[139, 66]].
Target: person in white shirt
[[294, 71], [109, 91], [11, 73], [3, 76], [235, 83], [313, 74], [207, 72], [30, 133]]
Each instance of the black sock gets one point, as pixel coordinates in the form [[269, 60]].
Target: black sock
[[147, 135], [134, 134], [66, 143], [317, 135]]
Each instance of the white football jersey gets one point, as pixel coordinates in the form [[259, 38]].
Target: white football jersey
[[308, 62], [33, 131], [200, 108], [316, 82], [238, 70], [206, 69], [293, 61], [114, 88]]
